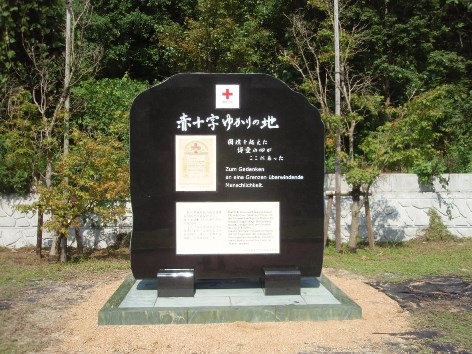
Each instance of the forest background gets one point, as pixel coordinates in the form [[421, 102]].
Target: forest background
[[64, 100]]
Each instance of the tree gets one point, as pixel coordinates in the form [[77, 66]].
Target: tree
[[104, 103], [19, 20], [102, 109], [19, 162], [313, 57], [34, 128], [419, 137], [412, 47], [92, 181], [126, 31], [230, 36], [50, 91]]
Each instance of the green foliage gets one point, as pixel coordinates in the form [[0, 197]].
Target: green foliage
[[126, 29], [92, 181], [19, 160], [14, 178], [421, 136], [413, 46], [466, 3], [311, 53], [436, 231], [413, 117], [105, 105], [445, 66], [457, 130], [34, 21], [359, 174], [230, 36]]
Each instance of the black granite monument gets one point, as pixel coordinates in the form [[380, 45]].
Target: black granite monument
[[227, 178]]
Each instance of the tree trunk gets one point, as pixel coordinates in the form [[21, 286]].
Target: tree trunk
[[355, 210], [337, 187], [79, 240], [368, 219], [55, 246], [54, 252], [63, 245], [39, 233], [352, 128], [386, 88], [329, 206]]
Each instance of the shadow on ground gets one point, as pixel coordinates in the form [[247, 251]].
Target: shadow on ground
[[448, 293]]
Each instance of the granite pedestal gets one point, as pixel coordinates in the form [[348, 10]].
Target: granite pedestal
[[136, 302]]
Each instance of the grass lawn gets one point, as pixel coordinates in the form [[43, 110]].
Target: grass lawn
[[408, 260], [21, 268], [414, 260]]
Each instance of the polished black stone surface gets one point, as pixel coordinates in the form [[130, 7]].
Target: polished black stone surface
[[282, 281], [296, 143], [176, 282]]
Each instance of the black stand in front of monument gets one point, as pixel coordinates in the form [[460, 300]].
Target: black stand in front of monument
[[176, 282], [276, 281], [282, 280]]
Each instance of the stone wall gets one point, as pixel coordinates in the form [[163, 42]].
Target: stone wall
[[19, 229], [16, 229], [399, 206]]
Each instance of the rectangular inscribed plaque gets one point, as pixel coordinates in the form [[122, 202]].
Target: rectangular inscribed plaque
[[195, 163], [227, 228]]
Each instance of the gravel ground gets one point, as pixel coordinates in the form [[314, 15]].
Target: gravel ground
[[384, 328]]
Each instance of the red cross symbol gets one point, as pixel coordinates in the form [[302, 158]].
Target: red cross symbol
[[196, 148], [227, 94]]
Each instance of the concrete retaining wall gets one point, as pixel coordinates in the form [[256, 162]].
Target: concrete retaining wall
[[19, 229], [399, 208]]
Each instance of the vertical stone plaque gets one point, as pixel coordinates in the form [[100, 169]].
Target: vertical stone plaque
[[227, 177]]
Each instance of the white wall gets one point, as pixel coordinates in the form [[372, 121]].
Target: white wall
[[19, 229], [16, 229], [399, 208]]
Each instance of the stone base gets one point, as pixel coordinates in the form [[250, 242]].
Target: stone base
[[136, 302]]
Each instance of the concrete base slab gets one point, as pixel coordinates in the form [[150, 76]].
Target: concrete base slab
[[136, 302]]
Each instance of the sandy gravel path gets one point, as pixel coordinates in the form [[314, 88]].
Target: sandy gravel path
[[382, 329]]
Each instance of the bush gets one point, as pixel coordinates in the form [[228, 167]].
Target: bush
[[436, 230]]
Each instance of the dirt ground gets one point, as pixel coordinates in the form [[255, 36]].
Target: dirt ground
[[72, 327], [61, 317]]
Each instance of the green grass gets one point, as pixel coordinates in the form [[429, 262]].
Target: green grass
[[21, 267], [453, 327], [414, 260], [409, 260]]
